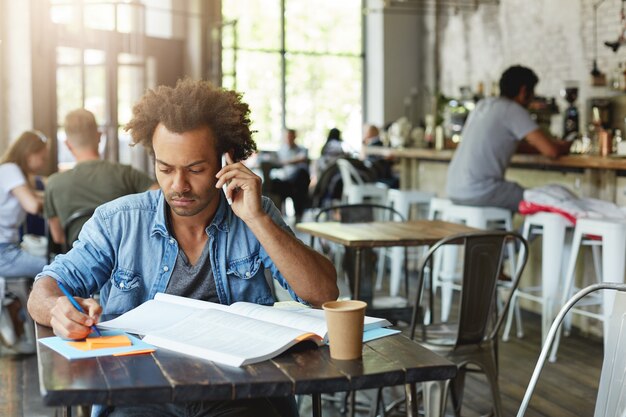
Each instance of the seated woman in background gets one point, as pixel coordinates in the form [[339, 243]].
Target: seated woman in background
[[25, 158]]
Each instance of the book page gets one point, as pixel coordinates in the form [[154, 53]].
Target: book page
[[223, 337], [151, 315], [296, 318]]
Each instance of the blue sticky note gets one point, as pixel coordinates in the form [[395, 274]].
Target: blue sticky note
[[378, 333], [64, 348]]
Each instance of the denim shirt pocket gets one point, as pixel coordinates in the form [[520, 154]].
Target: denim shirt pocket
[[246, 280], [244, 268], [125, 280], [127, 291]]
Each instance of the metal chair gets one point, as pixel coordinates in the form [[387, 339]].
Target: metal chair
[[472, 341], [73, 224], [356, 213], [611, 399]]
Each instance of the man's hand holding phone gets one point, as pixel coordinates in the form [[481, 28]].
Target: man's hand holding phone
[[242, 188]]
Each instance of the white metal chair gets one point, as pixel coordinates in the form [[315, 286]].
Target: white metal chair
[[400, 200], [611, 398]]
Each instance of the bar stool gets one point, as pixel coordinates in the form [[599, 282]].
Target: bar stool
[[401, 201], [610, 236], [554, 250], [444, 275]]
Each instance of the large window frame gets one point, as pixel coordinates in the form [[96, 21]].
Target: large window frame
[[234, 50]]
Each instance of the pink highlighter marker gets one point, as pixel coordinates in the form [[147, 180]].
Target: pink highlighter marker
[[225, 186]]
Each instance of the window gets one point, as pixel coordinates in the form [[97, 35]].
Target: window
[[105, 60], [312, 83]]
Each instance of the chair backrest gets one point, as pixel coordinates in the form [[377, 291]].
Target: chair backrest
[[358, 213], [74, 223], [611, 399], [482, 261], [349, 175]]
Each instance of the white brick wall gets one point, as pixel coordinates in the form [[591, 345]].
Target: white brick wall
[[553, 37]]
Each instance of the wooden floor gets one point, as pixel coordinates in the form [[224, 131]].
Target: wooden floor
[[566, 388]]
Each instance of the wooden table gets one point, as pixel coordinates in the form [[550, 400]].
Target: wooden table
[[381, 234], [166, 376]]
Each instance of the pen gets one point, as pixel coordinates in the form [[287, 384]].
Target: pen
[[225, 186], [75, 304]]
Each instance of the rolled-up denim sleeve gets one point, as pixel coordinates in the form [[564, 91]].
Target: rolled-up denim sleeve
[[88, 265]]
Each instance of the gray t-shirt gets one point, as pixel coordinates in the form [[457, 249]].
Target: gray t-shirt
[[193, 281], [489, 140]]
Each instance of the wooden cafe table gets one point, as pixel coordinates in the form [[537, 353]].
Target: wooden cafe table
[[166, 376], [381, 234]]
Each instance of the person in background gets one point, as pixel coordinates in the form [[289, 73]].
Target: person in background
[[490, 137], [332, 149], [381, 165], [185, 239], [292, 179], [25, 158], [334, 144], [91, 182]]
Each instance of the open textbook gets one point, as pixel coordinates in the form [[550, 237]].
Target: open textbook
[[236, 335]]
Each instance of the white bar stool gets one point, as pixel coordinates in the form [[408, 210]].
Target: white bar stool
[[612, 235], [494, 218], [401, 201], [554, 250]]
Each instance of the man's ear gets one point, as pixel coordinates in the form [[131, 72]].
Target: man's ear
[[69, 145]]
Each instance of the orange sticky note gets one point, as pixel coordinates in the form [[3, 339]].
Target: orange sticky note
[[102, 342], [135, 352]]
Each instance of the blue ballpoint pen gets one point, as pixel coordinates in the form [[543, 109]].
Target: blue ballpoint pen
[[76, 305]]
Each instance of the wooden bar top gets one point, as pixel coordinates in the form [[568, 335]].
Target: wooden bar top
[[612, 162]]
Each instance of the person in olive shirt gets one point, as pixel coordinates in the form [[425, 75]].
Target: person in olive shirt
[[91, 182]]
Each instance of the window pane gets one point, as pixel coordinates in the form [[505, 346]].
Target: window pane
[[130, 87], [159, 18], [99, 16], [129, 18], [69, 88], [258, 78], [95, 91], [63, 13], [124, 58], [125, 149], [323, 26], [258, 22], [65, 157], [68, 56], [228, 61], [324, 92], [94, 57], [159, 23]]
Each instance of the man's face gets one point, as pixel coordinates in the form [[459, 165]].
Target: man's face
[[528, 96], [185, 166], [290, 138]]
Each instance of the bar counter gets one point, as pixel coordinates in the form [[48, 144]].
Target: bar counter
[[589, 175]]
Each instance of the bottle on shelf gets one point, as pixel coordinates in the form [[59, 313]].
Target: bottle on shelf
[[617, 77]]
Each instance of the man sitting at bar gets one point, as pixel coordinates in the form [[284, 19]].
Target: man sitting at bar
[[185, 239], [490, 137]]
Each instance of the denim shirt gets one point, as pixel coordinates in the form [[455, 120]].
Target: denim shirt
[[126, 252]]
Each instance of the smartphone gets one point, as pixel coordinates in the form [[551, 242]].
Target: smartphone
[[225, 186]]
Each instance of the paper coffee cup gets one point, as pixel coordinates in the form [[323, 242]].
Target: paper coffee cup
[[345, 328]]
